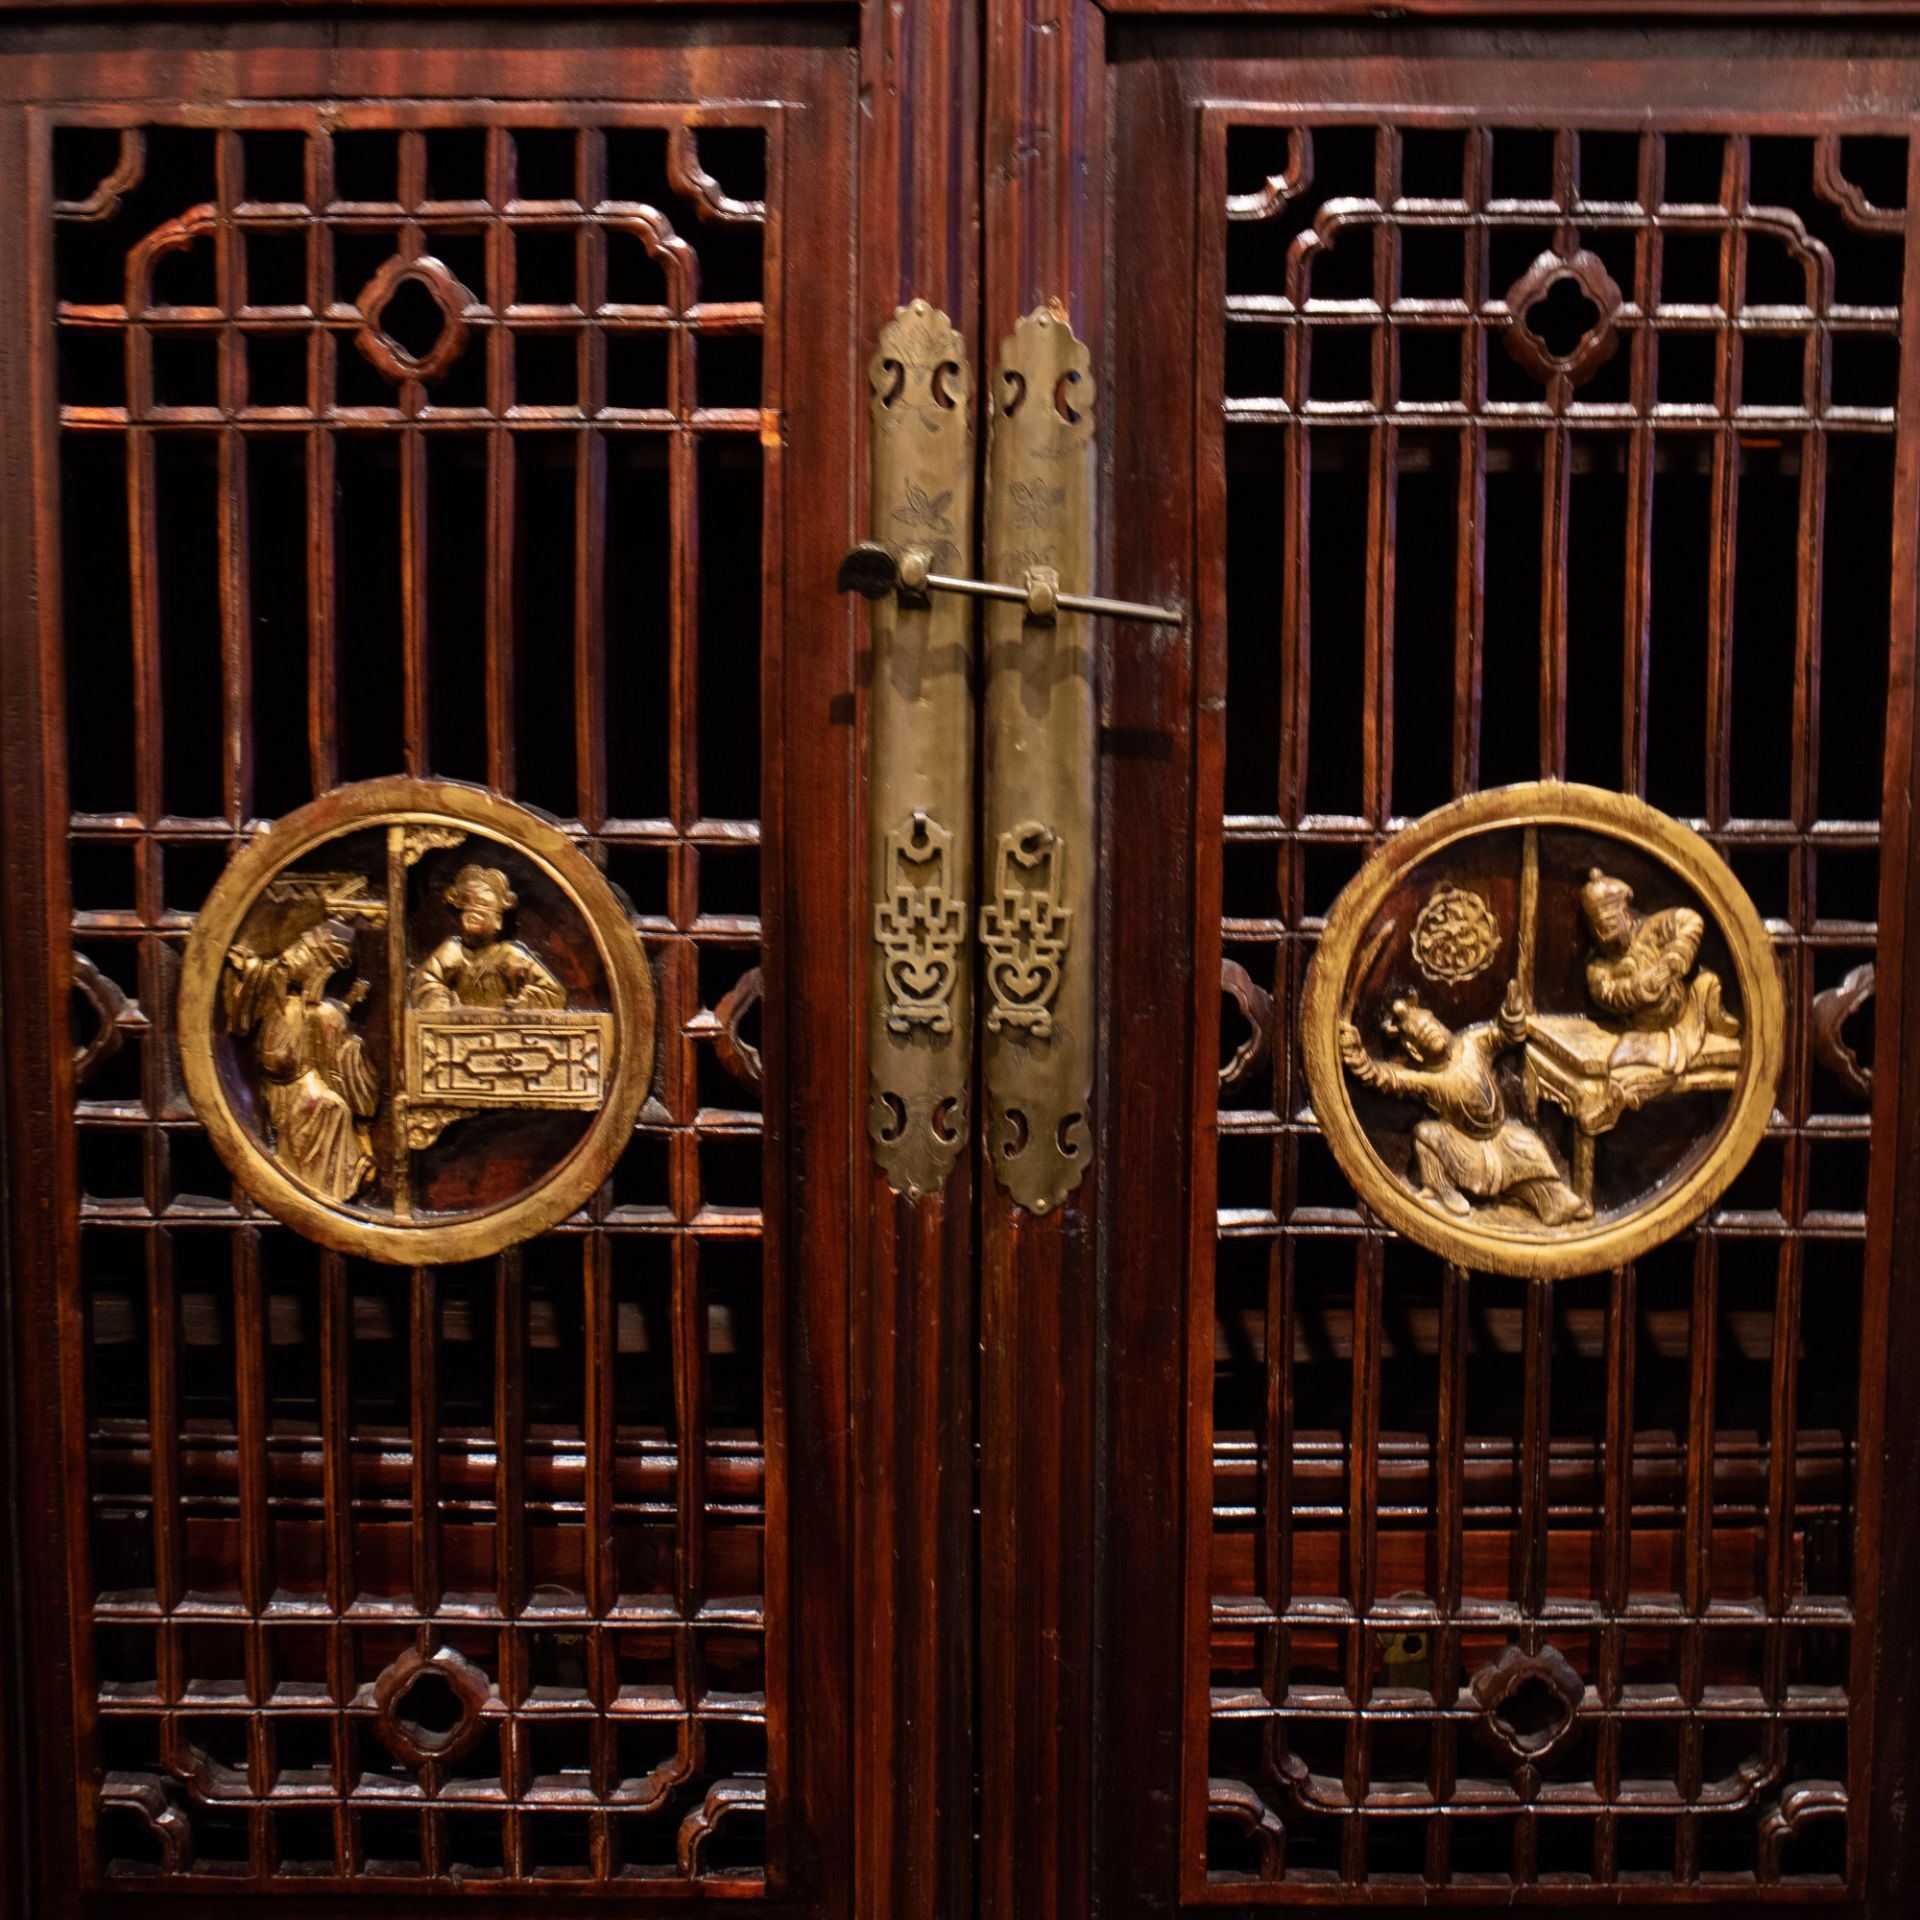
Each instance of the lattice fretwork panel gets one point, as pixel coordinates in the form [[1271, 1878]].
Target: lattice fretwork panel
[[388, 440], [1548, 452]]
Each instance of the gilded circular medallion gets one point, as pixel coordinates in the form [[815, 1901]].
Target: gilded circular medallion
[[1543, 1030], [416, 1021]]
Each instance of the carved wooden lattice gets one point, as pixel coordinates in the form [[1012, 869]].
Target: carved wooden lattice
[[387, 439], [1568, 453]]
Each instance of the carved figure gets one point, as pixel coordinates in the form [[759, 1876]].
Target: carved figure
[[1469, 1149], [1606, 1010], [1640, 972], [477, 967], [320, 1086]]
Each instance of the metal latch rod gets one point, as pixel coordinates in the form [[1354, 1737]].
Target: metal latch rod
[[874, 571]]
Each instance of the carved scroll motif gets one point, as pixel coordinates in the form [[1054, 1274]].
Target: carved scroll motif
[[920, 794], [1237, 1804], [724, 1024], [1833, 1007], [1256, 1008], [1039, 767], [687, 175], [1804, 1801], [726, 1802], [114, 1016], [735, 1052], [126, 173], [151, 1801]]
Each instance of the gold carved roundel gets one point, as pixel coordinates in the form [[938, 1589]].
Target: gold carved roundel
[[1543, 1030], [416, 1021]]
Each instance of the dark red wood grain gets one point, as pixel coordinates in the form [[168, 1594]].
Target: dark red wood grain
[[990, 1470], [1165, 517], [804, 833]]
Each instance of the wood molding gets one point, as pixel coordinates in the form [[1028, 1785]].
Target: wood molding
[[913, 1324], [1645, 11], [1885, 1747], [1044, 138]]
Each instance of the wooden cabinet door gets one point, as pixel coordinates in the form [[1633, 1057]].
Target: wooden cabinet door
[[423, 399], [484, 403], [1342, 1480]]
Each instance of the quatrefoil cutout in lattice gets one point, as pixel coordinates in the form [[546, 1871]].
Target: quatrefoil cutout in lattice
[[1540, 302], [427, 1706], [1528, 1702], [410, 358]]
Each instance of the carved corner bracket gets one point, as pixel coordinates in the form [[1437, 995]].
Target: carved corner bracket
[[1036, 927], [1833, 1007], [920, 795]]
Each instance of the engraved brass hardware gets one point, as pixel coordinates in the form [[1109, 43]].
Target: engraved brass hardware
[[920, 793], [1036, 927], [1035, 924], [1491, 1010], [874, 571], [477, 1077]]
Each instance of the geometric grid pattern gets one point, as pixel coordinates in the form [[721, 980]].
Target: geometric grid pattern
[[387, 439], [1625, 1502]]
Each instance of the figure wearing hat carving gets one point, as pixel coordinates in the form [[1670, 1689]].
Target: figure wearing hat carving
[[1469, 1149], [1641, 971], [478, 967], [320, 1087]]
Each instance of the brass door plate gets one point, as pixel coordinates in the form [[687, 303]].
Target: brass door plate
[[1036, 919], [416, 1021], [1543, 1029], [920, 757]]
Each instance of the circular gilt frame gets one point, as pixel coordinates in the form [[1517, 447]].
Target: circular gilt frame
[[432, 803], [1571, 1249]]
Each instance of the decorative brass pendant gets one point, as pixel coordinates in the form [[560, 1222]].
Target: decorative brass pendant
[[416, 1021], [1543, 1030]]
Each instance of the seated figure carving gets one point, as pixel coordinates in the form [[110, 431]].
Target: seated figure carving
[[1641, 972], [1469, 1149], [478, 967], [319, 1084]]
